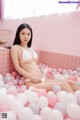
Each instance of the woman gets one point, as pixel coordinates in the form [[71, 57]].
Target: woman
[[25, 62]]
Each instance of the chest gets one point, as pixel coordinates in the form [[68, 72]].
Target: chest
[[25, 55]]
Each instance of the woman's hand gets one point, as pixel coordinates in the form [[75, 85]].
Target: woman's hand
[[36, 80]]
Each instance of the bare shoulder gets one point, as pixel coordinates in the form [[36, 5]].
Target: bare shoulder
[[14, 47]]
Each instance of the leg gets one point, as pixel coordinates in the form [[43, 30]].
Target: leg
[[74, 85], [49, 85]]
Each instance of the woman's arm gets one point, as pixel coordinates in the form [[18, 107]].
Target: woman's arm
[[15, 60]]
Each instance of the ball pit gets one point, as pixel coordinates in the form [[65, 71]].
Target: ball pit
[[22, 103]]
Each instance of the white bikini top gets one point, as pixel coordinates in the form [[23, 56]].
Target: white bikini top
[[26, 56]]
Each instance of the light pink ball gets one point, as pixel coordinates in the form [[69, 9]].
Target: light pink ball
[[79, 74], [4, 108], [42, 92], [52, 100], [75, 77], [18, 86], [13, 92], [21, 90], [69, 70], [10, 83], [18, 77], [12, 78], [60, 70], [49, 71], [35, 90], [72, 78], [21, 82]]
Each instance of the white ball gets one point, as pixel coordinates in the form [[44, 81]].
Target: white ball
[[42, 102], [17, 106], [1, 77], [77, 95], [3, 96], [33, 97], [62, 107], [66, 77], [1, 83], [66, 98], [56, 88], [25, 114], [56, 115], [11, 116], [46, 113], [35, 108], [4, 89], [22, 97], [73, 110], [11, 99], [36, 117]]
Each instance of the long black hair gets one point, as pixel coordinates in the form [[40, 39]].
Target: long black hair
[[17, 39]]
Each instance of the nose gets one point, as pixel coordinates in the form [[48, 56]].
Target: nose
[[26, 36]]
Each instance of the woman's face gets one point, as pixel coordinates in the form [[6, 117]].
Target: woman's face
[[25, 35]]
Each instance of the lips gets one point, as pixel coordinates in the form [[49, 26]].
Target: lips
[[25, 40]]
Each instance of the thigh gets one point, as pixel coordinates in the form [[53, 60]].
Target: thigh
[[54, 80]]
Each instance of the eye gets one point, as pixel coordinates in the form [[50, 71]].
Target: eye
[[29, 34], [23, 33]]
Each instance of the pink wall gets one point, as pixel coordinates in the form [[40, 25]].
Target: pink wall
[[6, 65], [56, 33], [51, 59]]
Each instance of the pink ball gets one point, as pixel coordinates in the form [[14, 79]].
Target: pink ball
[[49, 71], [48, 75], [72, 78], [8, 74], [60, 70], [42, 92], [79, 74], [69, 70], [13, 92], [15, 82], [4, 108], [27, 104], [35, 90], [14, 74], [75, 77], [10, 83], [18, 86], [52, 100], [21, 82], [12, 78], [18, 77], [21, 90]]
